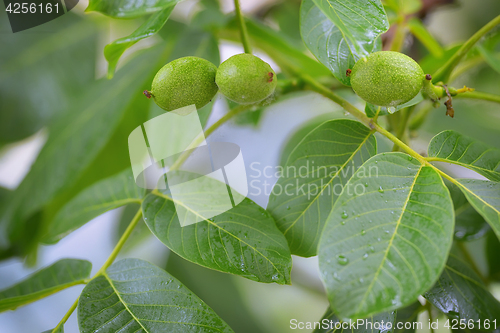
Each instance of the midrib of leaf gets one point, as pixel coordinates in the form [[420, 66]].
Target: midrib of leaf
[[368, 290], [110, 281], [469, 191], [331, 179], [465, 165], [460, 291], [138, 320], [219, 228], [468, 279]]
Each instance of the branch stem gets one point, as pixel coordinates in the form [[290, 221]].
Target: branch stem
[[121, 242], [361, 116], [480, 95], [108, 263], [66, 316], [243, 27]]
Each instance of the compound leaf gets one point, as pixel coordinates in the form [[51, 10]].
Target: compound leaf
[[387, 238], [460, 292], [301, 200], [108, 194], [453, 147], [61, 275], [134, 295]]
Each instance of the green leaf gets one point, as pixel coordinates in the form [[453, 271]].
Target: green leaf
[[381, 321], [387, 238], [242, 241], [328, 40], [61, 275], [492, 251], [359, 22], [108, 194], [453, 147], [313, 176], [73, 144], [134, 295], [114, 50], [460, 293], [484, 196], [372, 110], [128, 8], [469, 224]]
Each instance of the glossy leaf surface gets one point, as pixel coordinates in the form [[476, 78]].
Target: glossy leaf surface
[[453, 147], [387, 238], [136, 296], [461, 294], [242, 241]]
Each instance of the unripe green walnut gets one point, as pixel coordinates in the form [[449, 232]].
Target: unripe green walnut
[[387, 78], [246, 79], [183, 82]]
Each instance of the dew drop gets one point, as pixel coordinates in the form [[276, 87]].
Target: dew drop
[[344, 215], [366, 184], [287, 207], [363, 232], [391, 109], [365, 256], [410, 158], [380, 189], [342, 260]]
